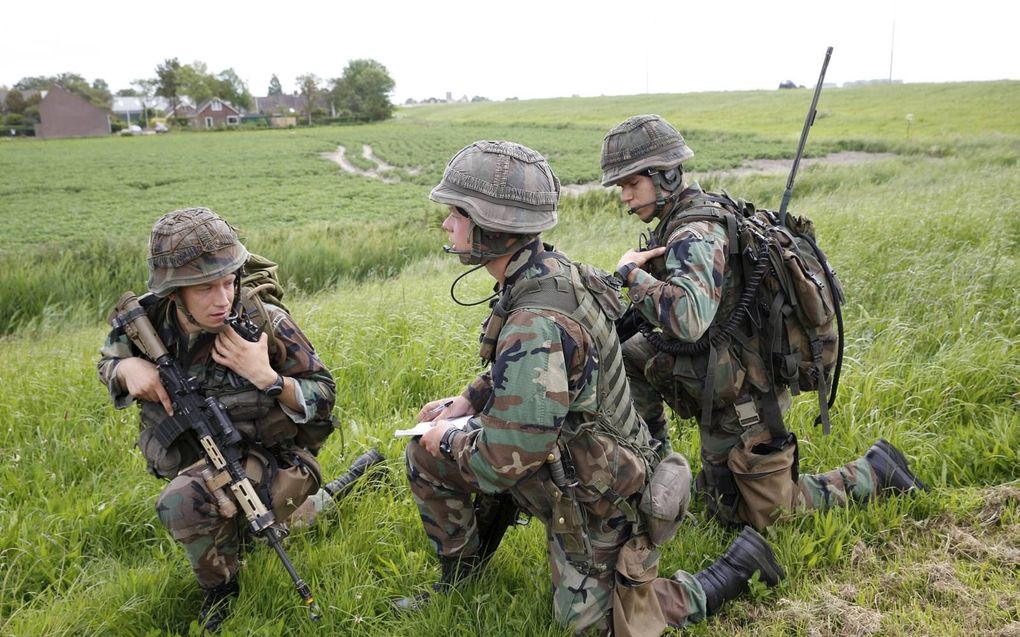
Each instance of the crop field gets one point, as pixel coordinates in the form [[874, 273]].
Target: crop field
[[925, 239]]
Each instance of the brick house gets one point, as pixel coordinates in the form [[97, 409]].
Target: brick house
[[215, 113], [64, 114]]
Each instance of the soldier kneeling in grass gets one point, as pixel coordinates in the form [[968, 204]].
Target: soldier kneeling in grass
[[275, 391], [552, 424]]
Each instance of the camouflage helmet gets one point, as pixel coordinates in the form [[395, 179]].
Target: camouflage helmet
[[503, 186], [643, 142], [189, 247]]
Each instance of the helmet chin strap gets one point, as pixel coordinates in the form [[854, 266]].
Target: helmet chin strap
[[674, 181], [453, 294]]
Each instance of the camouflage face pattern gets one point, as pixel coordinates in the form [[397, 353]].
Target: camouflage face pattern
[[189, 247], [503, 186], [641, 143]]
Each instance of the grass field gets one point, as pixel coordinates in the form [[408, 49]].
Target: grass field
[[926, 244]]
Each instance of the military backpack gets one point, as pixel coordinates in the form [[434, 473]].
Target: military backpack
[[787, 302]]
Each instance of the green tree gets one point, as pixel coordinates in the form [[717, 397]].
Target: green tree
[[233, 89], [275, 88], [15, 102], [196, 82], [98, 93], [362, 93], [310, 87], [167, 84]]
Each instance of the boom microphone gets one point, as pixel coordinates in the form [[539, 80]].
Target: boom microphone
[[633, 210]]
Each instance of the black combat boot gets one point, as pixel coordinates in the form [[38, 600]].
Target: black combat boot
[[454, 570], [728, 577], [216, 606], [891, 468]]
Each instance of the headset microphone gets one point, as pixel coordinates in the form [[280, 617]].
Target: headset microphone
[[633, 210]]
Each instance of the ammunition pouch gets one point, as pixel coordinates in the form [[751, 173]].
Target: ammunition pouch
[[292, 474], [259, 418], [765, 470], [665, 498]]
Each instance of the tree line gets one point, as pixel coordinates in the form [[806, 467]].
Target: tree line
[[360, 94]]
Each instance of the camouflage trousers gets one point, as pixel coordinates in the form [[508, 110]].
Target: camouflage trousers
[[212, 541], [583, 597], [741, 486]]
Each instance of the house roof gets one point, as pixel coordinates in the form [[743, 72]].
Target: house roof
[[284, 104], [204, 105]]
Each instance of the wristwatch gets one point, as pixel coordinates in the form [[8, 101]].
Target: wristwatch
[[623, 273], [445, 446], [275, 388]]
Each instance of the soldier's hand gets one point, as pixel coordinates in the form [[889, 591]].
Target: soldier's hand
[[640, 257], [444, 408], [247, 359], [140, 379], [430, 439]]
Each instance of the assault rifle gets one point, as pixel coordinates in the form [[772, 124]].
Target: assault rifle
[[220, 441]]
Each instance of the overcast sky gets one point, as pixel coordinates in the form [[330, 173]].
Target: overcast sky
[[525, 48]]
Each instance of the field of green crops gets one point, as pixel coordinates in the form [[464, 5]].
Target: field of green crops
[[925, 241]]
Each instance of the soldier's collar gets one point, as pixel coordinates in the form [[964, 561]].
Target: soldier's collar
[[523, 258]]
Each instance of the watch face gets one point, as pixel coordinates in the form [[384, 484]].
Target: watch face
[[276, 388]]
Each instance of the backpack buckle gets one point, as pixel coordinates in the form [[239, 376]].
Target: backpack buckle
[[747, 413]]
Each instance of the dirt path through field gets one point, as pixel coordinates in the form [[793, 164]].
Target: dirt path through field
[[339, 156], [760, 167], [752, 167]]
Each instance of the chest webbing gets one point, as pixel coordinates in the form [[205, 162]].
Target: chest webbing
[[563, 292]]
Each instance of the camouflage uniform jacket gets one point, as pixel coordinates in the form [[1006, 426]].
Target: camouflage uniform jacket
[[260, 418], [543, 381], [686, 293], [682, 294]]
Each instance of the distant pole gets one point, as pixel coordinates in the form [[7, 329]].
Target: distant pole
[[892, 44], [892, 40]]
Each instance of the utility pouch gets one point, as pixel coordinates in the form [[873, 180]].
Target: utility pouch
[[764, 470], [296, 476], [604, 287], [636, 607], [568, 524], [665, 498], [717, 486]]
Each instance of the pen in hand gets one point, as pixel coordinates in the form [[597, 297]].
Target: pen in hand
[[438, 408]]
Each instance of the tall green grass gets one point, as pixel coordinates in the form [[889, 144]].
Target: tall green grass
[[80, 283], [927, 249]]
